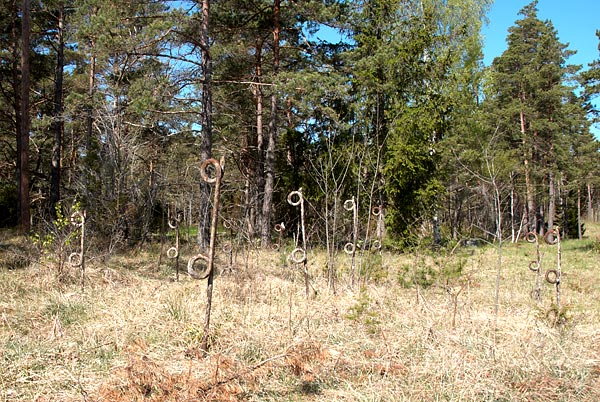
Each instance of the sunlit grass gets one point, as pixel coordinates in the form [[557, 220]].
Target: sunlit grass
[[133, 333]]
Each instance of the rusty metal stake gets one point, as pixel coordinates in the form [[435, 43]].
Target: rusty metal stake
[[219, 166], [295, 202], [173, 252], [77, 259]]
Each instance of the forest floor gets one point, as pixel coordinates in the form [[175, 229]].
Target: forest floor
[[133, 333]]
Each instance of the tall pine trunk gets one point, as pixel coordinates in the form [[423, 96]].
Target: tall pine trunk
[[206, 122], [258, 191], [551, 201], [531, 212], [267, 209], [579, 223], [23, 132], [590, 204], [57, 126], [89, 107]]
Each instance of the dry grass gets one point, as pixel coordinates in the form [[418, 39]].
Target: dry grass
[[134, 333]]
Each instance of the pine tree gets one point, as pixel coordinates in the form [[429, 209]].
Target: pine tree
[[528, 98]]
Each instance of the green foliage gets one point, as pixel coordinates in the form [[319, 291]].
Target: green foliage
[[67, 311], [363, 312], [8, 205], [425, 273], [380, 113], [59, 233], [371, 266], [422, 276], [570, 223], [176, 307]]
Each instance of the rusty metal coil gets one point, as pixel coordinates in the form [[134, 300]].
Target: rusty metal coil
[[551, 237], [534, 266], [376, 245], [280, 227], [531, 237], [77, 219], [552, 276], [275, 246], [215, 163], [75, 259], [190, 266], [290, 197], [349, 248], [349, 204], [227, 247], [172, 252], [227, 224], [376, 210], [173, 223], [298, 255]]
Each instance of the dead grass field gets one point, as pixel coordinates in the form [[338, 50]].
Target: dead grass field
[[133, 333]]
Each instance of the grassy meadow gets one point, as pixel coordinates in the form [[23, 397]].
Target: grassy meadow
[[421, 327]]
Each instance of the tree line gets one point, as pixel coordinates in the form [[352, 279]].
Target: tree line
[[115, 106]]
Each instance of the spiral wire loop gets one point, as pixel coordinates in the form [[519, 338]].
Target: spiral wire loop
[[75, 259], [77, 219], [552, 276], [216, 178], [290, 198], [280, 227], [534, 266], [205, 174], [531, 237], [227, 247], [298, 255], [190, 266], [349, 204], [376, 210], [551, 237], [349, 248], [173, 223], [376, 245], [172, 252]]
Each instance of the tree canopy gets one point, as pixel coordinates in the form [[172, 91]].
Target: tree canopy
[[394, 110]]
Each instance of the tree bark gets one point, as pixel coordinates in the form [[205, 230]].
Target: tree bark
[[590, 204], [551, 201], [57, 126], [90, 109], [513, 233], [531, 212], [267, 209], [258, 191], [206, 122], [579, 232], [23, 133]]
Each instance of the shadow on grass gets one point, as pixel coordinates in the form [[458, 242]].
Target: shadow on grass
[[303, 390]]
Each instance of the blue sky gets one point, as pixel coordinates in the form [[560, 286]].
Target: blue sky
[[576, 22]]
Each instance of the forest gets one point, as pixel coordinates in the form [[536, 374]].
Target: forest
[[114, 107], [388, 218]]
